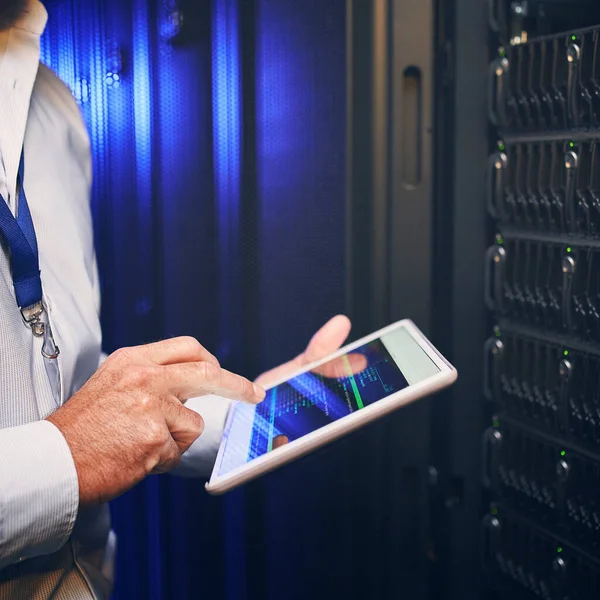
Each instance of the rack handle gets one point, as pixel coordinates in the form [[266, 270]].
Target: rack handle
[[571, 168], [573, 60], [496, 91], [568, 268], [492, 439], [494, 277], [497, 164], [493, 351]]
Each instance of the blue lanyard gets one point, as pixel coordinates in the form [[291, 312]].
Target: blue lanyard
[[19, 234]]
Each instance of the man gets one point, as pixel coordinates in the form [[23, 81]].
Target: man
[[74, 434]]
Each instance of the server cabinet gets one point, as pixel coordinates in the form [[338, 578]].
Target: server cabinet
[[541, 459]]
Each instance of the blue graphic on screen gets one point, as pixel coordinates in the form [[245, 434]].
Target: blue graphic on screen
[[330, 392]]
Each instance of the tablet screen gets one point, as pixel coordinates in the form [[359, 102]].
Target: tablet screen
[[333, 390]]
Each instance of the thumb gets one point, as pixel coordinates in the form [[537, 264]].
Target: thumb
[[328, 339]]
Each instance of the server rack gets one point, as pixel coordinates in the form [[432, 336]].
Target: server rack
[[541, 452]]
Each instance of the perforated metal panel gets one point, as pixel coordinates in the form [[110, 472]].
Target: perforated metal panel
[[218, 138], [300, 108]]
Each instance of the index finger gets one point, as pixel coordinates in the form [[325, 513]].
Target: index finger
[[189, 380], [176, 350]]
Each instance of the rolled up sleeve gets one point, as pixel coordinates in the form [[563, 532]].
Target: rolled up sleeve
[[199, 459], [39, 491]]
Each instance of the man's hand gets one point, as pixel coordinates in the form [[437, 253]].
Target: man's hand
[[128, 420], [327, 340]]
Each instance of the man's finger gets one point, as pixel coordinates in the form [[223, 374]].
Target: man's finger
[[176, 350], [185, 425], [328, 339], [189, 380], [279, 441], [170, 458]]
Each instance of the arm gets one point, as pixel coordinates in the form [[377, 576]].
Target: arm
[[39, 492], [39, 488]]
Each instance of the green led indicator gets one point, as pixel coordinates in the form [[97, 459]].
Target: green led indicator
[[566, 353], [497, 333], [574, 37], [572, 144], [569, 250], [496, 423], [559, 549], [502, 52], [500, 146], [563, 453], [500, 239], [494, 511]]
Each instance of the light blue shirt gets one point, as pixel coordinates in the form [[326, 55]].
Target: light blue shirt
[[49, 548]]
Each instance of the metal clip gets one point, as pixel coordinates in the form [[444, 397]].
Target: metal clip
[[49, 348], [32, 317]]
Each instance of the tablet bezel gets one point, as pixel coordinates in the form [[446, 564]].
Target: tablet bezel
[[219, 484]]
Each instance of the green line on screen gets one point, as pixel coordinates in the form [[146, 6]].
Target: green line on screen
[[353, 383], [272, 419]]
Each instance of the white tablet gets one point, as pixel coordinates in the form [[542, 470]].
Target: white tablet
[[326, 400]]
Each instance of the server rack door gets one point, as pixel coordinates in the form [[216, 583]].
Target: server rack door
[[389, 238], [460, 242]]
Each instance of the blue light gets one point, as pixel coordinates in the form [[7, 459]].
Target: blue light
[[227, 160], [143, 133], [142, 102], [226, 101], [82, 91], [227, 142], [171, 24], [112, 80]]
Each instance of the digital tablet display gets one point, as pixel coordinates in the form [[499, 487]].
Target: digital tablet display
[[330, 392]]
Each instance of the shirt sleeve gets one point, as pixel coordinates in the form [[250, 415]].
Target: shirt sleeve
[[199, 459], [39, 491]]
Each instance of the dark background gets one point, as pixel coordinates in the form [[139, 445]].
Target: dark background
[[261, 165]]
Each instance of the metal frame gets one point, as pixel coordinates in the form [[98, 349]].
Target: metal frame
[[468, 316], [461, 320], [390, 236], [426, 265]]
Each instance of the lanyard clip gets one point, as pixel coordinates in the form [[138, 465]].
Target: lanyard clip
[[32, 316], [49, 348]]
